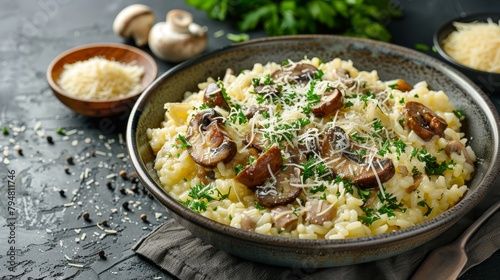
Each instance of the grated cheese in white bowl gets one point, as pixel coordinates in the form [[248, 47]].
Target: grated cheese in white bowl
[[100, 79], [476, 45]]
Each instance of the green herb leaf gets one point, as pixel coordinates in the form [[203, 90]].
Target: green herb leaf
[[460, 114], [242, 37], [422, 47], [184, 143], [60, 131]]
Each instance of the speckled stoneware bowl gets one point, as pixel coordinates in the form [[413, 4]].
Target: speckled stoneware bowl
[[391, 62]]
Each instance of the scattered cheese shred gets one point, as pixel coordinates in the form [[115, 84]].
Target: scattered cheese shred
[[476, 45], [100, 79]]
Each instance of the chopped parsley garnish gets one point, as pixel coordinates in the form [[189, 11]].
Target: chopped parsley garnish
[[237, 117], [356, 137], [226, 97], [424, 204], [5, 130], [384, 149], [371, 216], [60, 131], [348, 104], [199, 196], [363, 194], [184, 143], [367, 96], [258, 206], [432, 167], [402, 101], [316, 189], [460, 114], [400, 146], [238, 168], [390, 204], [415, 171], [315, 169], [318, 75], [377, 125]]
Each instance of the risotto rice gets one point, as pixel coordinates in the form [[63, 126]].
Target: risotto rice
[[313, 150]]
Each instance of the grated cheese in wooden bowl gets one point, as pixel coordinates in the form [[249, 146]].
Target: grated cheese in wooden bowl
[[476, 45], [100, 79]]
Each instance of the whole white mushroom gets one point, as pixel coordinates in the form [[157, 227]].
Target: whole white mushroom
[[178, 38], [135, 22]]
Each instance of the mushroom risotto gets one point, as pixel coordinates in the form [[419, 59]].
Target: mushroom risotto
[[314, 150]]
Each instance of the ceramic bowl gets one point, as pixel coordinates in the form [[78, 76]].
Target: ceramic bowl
[[117, 52], [489, 82], [391, 62]]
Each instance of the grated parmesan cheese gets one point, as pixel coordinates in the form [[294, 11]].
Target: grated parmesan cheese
[[476, 45], [100, 79]]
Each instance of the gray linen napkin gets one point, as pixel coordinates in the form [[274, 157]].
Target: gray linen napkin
[[185, 256]]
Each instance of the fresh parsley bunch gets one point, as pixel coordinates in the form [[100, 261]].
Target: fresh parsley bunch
[[359, 18]]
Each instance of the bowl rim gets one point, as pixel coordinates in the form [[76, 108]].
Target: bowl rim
[[449, 24], [55, 85], [401, 235]]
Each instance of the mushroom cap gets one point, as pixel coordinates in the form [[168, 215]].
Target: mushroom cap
[[209, 143], [134, 21], [423, 121]]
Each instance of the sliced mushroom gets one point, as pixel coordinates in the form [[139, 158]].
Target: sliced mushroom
[[257, 140], [417, 179], [402, 85], [267, 89], [247, 223], [258, 172], [213, 97], [319, 211], [423, 121], [371, 198], [205, 176], [296, 73], [457, 147], [284, 218], [330, 102], [278, 190], [252, 110], [336, 149], [343, 76], [209, 144]]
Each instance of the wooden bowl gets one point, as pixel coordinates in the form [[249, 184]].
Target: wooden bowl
[[117, 52]]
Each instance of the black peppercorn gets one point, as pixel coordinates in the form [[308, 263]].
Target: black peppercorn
[[102, 255], [50, 139], [125, 205], [86, 216], [70, 160]]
